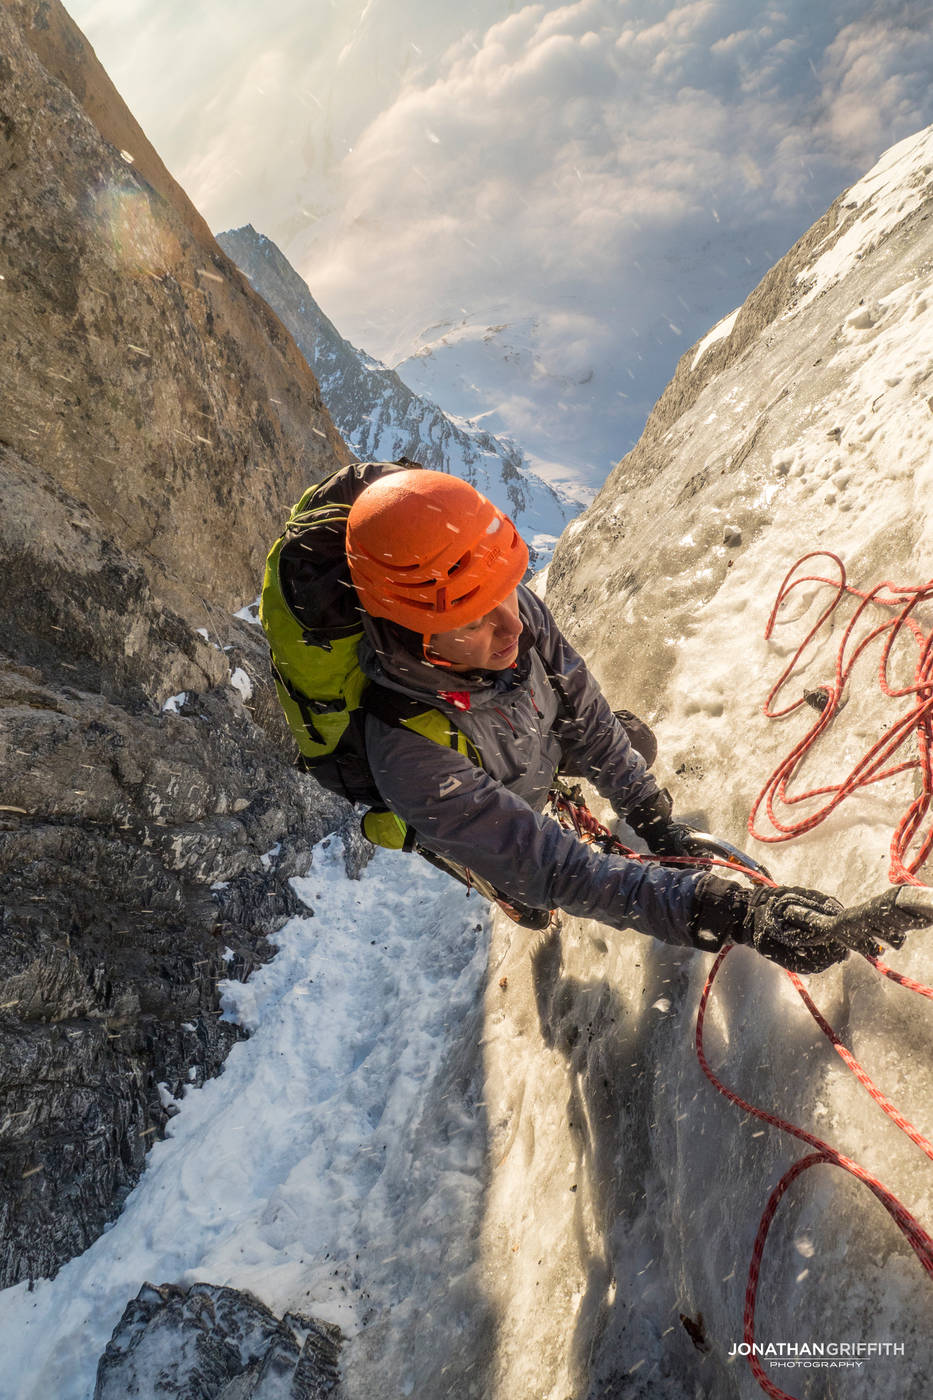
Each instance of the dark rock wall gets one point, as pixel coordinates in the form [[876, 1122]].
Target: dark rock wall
[[138, 368], [156, 422], [208, 1343]]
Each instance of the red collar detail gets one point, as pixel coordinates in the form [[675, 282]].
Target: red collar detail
[[460, 699]]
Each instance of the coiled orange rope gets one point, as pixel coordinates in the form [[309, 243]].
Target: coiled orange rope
[[875, 766]]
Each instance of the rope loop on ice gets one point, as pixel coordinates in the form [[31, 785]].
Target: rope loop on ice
[[899, 602], [913, 1232]]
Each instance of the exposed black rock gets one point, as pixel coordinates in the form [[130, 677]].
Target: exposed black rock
[[212, 1343], [157, 422], [125, 903]]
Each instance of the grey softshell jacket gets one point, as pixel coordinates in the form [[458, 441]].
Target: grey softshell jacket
[[490, 819]]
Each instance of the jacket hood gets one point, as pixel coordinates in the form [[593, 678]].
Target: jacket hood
[[392, 656]]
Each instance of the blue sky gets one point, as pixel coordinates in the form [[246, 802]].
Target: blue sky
[[613, 175]]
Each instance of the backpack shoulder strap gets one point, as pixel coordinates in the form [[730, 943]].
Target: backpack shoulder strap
[[403, 712], [311, 560], [380, 825]]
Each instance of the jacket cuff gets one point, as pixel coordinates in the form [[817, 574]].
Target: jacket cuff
[[649, 814], [718, 915]]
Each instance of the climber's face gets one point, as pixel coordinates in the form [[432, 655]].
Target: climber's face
[[489, 644]]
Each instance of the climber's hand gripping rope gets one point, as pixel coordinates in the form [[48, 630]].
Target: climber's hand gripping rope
[[804, 930], [813, 919], [789, 925], [800, 929]]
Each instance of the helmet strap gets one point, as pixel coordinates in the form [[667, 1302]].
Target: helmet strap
[[434, 659]]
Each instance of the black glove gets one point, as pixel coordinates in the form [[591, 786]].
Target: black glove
[[789, 925], [651, 820], [640, 735]]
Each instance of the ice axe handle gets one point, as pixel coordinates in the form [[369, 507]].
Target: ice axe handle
[[889, 916], [701, 844]]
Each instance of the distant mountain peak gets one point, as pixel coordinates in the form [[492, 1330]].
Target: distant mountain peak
[[382, 419]]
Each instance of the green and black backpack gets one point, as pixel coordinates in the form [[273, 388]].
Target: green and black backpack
[[312, 620]]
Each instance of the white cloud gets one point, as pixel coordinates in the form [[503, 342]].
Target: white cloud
[[562, 143], [605, 160], [877, 79]]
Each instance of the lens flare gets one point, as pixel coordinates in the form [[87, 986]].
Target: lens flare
[[138, 241]]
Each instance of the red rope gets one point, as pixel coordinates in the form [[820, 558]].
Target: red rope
[[875, 766], [916, 1236], [577, 816], [589, 829]]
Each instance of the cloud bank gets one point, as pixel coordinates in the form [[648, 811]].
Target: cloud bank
[[560, 148], [613, 175]]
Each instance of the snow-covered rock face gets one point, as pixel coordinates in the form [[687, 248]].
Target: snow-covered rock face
[[572, 402], [806, 424], [383, 420], [338, 1161]]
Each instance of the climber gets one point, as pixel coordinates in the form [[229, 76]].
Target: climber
[[449, 626]]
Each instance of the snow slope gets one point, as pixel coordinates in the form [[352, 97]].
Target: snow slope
[[560, 384], [302, 1172], [515, 1184]]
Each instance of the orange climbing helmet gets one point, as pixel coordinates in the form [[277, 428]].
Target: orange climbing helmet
[[427, 551]]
